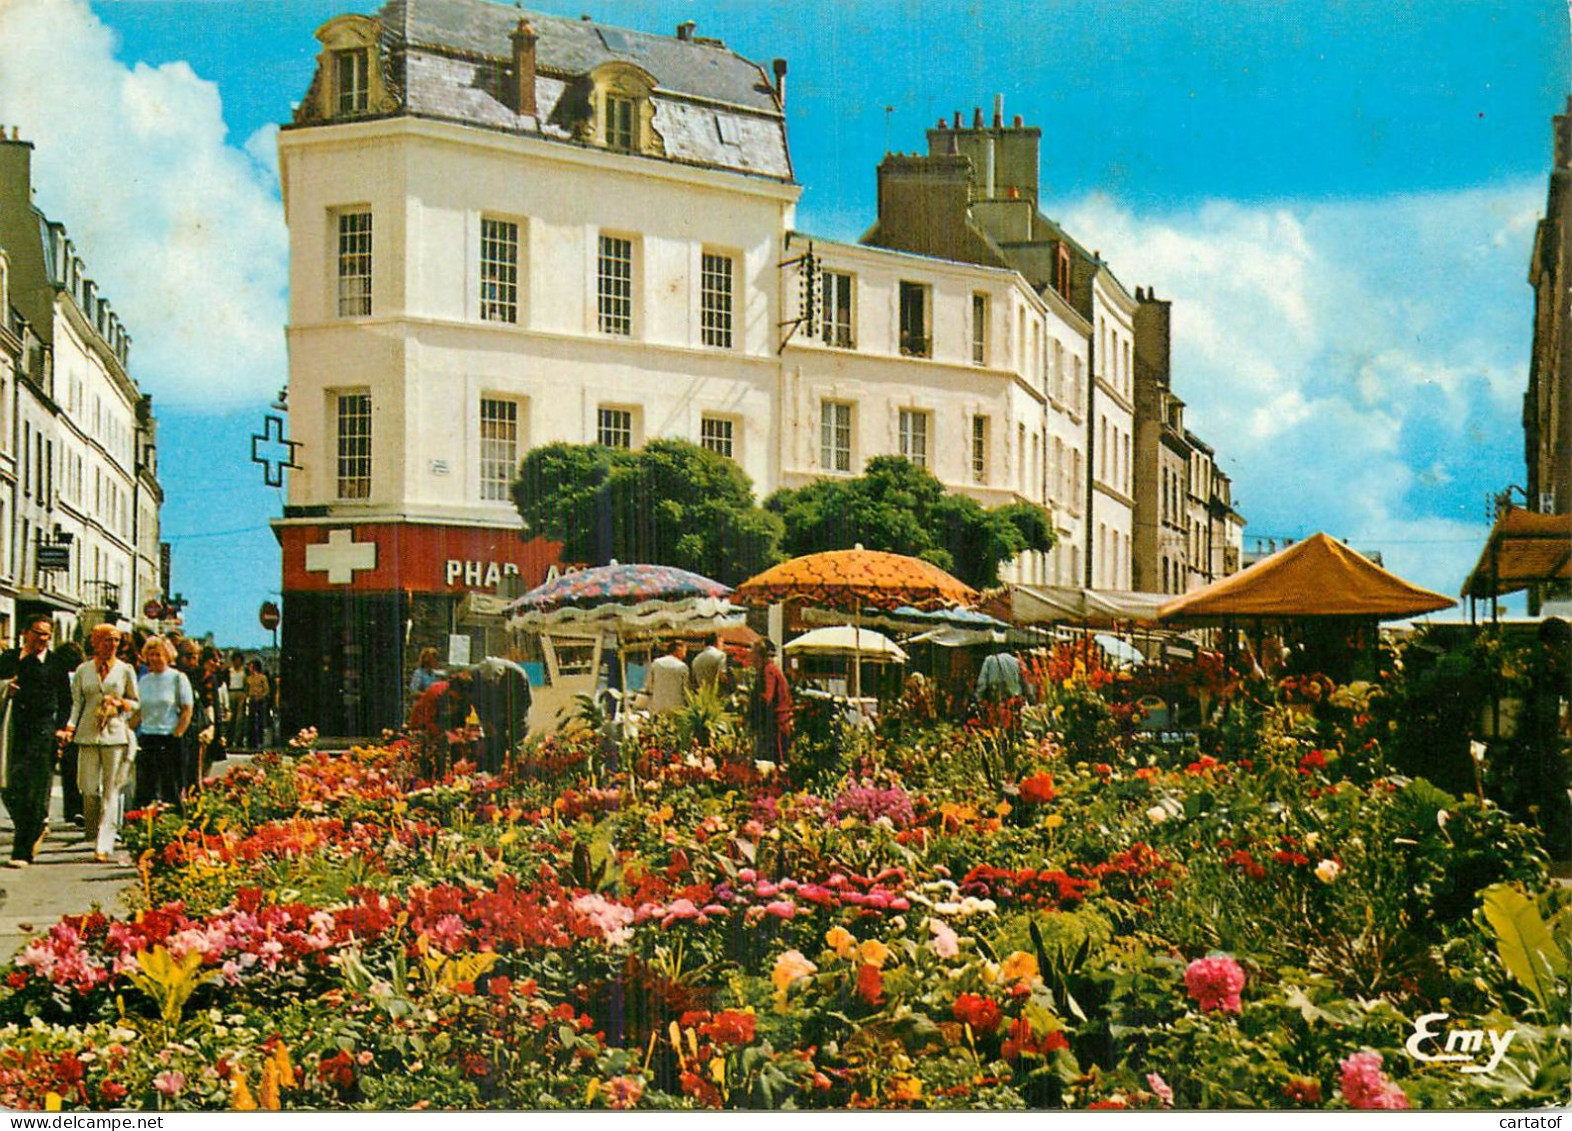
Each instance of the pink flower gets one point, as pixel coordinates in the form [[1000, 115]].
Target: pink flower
[[1215, 982], [781, 909], [1366, 1088], [170, 1083], [1160, 1088], [945, 942]]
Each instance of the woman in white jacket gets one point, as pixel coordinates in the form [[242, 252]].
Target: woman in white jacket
[[103, 699]]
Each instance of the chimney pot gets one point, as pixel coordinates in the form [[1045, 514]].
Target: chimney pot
[[977, 118], [957, 120], [1018, 121], [998, 111], [778, 66], [685, 30]]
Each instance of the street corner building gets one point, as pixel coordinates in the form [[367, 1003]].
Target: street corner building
[[509, 229], [79, 491]]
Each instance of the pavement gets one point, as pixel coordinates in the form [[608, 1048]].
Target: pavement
[[63, 879]]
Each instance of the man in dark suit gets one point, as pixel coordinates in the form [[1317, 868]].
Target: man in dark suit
[[40, 697]]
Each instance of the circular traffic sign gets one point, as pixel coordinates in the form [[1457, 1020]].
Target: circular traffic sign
[[153, 610], [268, 615]]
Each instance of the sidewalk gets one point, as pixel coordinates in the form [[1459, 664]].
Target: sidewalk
[[63, 880]]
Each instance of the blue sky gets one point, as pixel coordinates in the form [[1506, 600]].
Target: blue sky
[[1339, 197]]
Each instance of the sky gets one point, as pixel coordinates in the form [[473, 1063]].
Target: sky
[[1339, 199]]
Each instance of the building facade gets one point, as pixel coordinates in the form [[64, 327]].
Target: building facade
[[1547, 405], [510, 229], [79, 483]]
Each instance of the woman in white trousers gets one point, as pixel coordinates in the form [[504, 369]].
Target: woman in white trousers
[[103, 698]]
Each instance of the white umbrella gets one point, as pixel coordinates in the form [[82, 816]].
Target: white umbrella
[[847, 640], [1123, 651]]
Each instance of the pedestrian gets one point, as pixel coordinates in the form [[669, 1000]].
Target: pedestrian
[[40, 703], [190, 665], [69, 657], [709, 666], [426, 672], [439, 723], [167, 705], [259, 690], [235, 678], [769, 708], [214, 693], [103, 697], [999, 678], [667, 681]]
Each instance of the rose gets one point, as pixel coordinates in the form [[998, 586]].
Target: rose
[[1215, 982]]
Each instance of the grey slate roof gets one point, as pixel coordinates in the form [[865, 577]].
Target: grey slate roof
[[712, 106]]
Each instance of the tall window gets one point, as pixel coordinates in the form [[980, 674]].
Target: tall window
[[614, 285], [614, 427], [499, 270], [351, 80], [715, 433], [835, 436], [979, 329], [914, 436], [715, 287], [979, 449], [354, 445], [499, 447], [836, 324], [620, 132], [354, 264], [914, 321]]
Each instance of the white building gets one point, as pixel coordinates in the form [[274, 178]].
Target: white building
[[79, 516]]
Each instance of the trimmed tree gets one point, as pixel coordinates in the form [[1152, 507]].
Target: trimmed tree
[[901, 508], [670, 503]]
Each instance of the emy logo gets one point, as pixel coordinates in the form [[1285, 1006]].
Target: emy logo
[[1463, 1047]]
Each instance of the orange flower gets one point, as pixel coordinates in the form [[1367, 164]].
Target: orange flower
[[1019, 966], [870, 984], [841, 941], [874, 953]]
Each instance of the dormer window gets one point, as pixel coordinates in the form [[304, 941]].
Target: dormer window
[[621, 124], [351, 80]]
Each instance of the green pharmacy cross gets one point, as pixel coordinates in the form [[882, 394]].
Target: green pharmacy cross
[[273, 461]]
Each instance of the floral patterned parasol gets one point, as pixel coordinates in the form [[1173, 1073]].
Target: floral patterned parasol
[[853, 579], [617, 584]]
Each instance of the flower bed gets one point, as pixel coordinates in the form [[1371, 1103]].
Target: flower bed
[[1004, 914]]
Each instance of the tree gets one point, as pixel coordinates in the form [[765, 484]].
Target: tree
[[671, 503], [899, 507]]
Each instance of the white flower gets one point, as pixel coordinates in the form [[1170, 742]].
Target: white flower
[[1157, 814], [1327, 871], [1312, 839], [1442, 816]]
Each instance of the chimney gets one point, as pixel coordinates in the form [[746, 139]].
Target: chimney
[[685, 31], [523, 89], [957, 121], [1017, 122], [977, 118], [998, 111], [779, 67]]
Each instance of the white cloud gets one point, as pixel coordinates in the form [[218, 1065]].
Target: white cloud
[[1358, 365], [182, 231]]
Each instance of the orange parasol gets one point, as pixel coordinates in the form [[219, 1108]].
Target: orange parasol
[[854, 579]]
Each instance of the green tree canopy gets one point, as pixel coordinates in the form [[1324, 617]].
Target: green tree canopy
[[671, 503], [899, 507]]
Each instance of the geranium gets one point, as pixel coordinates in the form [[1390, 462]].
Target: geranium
[[1038, 788], [1215, 982], [981, 1013], [730, 1027], [1366, 1087]]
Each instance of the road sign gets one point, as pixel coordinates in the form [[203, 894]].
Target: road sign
[[153, 610], [268, 615]]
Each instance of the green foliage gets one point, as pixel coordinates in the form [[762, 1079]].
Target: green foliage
[[1526, 947], [670, 503], [901, 508]]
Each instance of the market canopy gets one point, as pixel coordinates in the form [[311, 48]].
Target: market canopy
[[1319, 577], [1524, 548], [1102, 608], [852, 579], [625, 598]]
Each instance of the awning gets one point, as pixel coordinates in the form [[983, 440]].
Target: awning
[[1319, 577], [1524, 548], [1098, 608]]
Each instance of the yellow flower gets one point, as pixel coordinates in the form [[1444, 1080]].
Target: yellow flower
[[241, 1099], [286, 1069], [52, 1101], [269, 1096], [1054, 820], [905, 1089], [841, 941], [1019, 967], [874, 953], [789, 967]]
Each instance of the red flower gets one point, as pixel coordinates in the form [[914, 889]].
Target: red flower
[[870, 984], [112, 1091], [982, 1014], [1038, 788], [500, 987], [730, 1027]]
